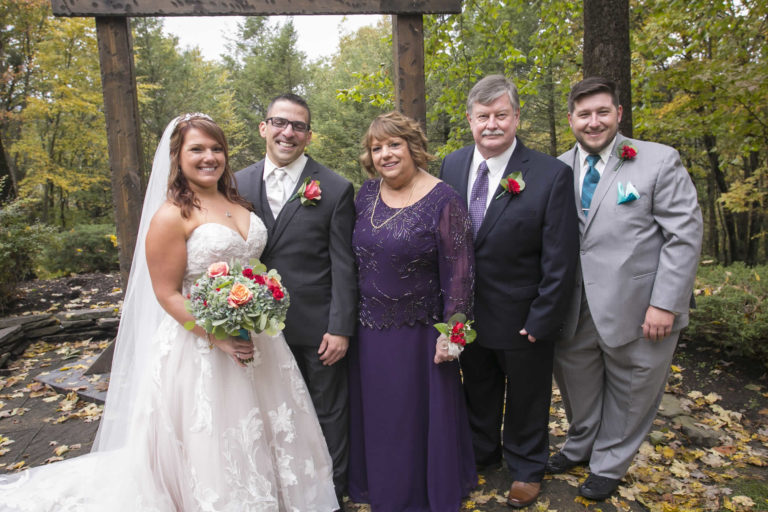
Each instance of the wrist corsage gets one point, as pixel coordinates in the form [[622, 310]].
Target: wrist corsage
[[309, 193], [457, 333]]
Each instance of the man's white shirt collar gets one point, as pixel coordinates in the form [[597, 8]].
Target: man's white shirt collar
[[605, 154], [293, 169]]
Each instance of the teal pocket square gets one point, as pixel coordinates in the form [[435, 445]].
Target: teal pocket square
[[629, 195]]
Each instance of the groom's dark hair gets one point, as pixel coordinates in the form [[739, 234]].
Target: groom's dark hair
[[590, 86], [293, 98]]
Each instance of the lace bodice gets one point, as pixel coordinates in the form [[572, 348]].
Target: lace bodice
[[419, 266], [211, 242]]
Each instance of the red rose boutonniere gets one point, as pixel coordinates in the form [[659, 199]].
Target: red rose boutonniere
[[512, 184], [625, 152], [309, 193]]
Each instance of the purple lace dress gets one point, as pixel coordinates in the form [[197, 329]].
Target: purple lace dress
[[410, 443]]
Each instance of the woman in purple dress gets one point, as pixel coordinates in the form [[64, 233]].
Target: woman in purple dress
[[410, 444]]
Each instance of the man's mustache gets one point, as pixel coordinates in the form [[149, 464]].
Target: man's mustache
[[497, 131]]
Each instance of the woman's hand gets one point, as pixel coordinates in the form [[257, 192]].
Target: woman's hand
[[444, 351], [236, 347]]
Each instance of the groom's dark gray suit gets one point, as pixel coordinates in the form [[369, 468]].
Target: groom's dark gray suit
[[311, 248]]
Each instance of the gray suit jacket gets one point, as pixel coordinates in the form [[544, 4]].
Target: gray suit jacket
[[311, 248], [644, 252]]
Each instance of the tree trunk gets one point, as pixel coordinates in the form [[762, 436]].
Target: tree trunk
[[549, 92], [714, 239], [7, 183], [607, 52], [729, 223]]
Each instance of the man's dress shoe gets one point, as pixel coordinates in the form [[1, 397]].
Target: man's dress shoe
[[522, 494], [597, 487]]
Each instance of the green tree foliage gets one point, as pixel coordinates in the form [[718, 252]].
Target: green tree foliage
[[22, 238], [23, 25], [701, 80], [62, 144], [343, 113]]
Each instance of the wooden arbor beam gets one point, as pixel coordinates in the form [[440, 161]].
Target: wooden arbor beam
[[408, 48], [121, 111]]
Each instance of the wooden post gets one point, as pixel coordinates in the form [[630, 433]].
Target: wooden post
[[408, 47], [121, 111]]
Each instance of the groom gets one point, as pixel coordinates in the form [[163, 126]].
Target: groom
[[310, 245]]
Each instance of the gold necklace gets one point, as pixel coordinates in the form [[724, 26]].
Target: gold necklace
[[398, 212]]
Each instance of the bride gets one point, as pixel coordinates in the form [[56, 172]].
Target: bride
[[188, 426]]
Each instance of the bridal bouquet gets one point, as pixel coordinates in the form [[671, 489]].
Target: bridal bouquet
[[232, 300], [457, 332]]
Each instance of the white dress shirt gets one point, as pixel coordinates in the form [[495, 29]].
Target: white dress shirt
[[292, 173], [605, 154]]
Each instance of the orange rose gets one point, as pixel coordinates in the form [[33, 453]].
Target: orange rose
[[218, 269], [239, 295]]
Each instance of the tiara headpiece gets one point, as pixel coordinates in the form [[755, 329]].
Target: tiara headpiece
[[192, 115]]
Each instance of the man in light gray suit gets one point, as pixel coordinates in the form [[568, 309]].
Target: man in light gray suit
[[310, 244], [641, 230]]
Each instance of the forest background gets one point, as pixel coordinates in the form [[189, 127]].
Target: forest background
[[699, 84]]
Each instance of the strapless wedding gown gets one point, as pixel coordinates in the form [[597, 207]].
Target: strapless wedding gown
[[208, 435]]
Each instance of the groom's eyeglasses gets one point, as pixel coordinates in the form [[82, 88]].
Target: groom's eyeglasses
[[280, 123]]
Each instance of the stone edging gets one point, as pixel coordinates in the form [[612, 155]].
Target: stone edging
[[17, 333]]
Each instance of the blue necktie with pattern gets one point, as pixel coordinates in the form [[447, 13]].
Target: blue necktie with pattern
[[590, 183], [479, 196]]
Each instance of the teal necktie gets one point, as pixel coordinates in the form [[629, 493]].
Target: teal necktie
[[590, 183]]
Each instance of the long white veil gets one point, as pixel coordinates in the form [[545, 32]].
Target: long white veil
[[141, 315]]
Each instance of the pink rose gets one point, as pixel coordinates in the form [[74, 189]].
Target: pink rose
[[218, 269], [239, 295], [312, 190]]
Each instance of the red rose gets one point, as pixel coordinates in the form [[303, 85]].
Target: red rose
[[259, 279], [514, 186], [277, 293], [458, 338], [457, 327], [312, 190], [248, 273], [205, 303], [628, 153]]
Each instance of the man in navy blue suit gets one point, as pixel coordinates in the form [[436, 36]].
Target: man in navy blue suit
[[526, 247]]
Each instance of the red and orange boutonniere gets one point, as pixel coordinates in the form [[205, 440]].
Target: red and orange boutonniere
[[512, 184], [625, 152], [309, 193]]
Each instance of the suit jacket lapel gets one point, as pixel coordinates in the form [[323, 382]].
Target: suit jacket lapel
[[292, 205], [576, 166], [461, 184], [606, 181], [260, 196], [517, 162]]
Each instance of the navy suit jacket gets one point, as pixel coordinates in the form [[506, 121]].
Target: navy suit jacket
[[311, 248], [526, 250]]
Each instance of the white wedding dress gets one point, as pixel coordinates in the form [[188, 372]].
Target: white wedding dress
[[206, 435]]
